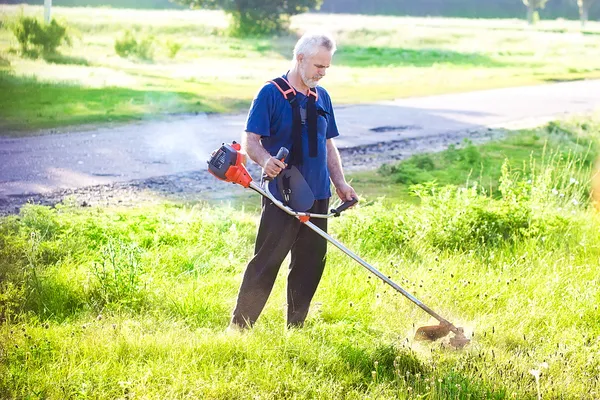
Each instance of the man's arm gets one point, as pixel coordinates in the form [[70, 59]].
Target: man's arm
[[334, 164], [253, 147]]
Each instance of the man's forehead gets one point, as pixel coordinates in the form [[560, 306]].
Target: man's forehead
[[323, 57]]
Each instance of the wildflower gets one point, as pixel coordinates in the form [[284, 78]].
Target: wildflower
[[573, 181], [554, 191], [575, 202]]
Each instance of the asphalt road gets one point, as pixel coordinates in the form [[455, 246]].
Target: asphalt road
[[106, 155]]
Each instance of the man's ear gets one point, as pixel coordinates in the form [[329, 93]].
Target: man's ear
[[299, 58]]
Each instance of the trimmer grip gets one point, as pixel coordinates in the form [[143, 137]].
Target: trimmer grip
[[344, 206], [282, 154]]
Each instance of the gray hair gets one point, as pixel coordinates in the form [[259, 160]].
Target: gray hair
[[309, 44]]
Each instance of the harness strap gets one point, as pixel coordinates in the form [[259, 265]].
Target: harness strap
[[289, 93]]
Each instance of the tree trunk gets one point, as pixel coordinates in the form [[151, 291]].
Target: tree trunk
[[47, 11], [583, 14], [530, 11]]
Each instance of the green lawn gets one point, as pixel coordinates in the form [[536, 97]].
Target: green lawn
[[378, 58], [109, 303]]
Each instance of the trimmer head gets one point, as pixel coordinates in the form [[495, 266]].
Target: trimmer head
[[435, 332]]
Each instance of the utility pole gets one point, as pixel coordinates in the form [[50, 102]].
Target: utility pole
[[47, 11]]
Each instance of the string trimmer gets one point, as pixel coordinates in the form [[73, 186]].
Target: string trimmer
[[227, 164]]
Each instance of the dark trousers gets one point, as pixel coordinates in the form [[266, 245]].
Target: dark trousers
[[278, 234]]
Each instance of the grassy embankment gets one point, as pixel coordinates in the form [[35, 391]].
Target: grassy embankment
[[379, 58], [132, 303]]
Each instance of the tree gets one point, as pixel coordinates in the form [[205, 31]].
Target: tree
[[532, 7], [256, 17], [47, 11], [584, 8]]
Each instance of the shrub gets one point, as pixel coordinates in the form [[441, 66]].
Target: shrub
[[173, 48], [128, 45], [36, 38], [257, 17]]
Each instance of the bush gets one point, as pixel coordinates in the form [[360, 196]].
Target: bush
[[256, 17], [36, 38], [128, 45], [173, 48]]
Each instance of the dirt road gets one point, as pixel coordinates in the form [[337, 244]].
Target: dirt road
[[169, 157]]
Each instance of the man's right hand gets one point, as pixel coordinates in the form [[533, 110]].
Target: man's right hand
[[273, 167]]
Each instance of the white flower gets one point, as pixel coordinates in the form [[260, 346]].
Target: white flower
[[575, 202], [573, 181], [535, 372], [554, 192]]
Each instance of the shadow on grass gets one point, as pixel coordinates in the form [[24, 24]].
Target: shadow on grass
[[65, 60], [377, 56], [358, 56], [403, 369]]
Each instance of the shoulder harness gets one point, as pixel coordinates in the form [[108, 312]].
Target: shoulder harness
[[289, 93]]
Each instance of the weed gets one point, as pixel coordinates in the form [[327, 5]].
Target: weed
[[119, 275]]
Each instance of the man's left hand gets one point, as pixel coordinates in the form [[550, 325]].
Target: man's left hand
[[346, 192]]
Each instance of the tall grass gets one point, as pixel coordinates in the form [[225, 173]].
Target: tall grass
[[124, 303]]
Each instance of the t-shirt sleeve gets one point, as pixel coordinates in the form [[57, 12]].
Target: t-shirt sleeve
[[259, 116], [332, 129]]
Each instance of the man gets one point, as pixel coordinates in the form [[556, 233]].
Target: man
[[308, 132]]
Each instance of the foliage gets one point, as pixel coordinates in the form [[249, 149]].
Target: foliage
[[37, 38], [173, 48], [256, 17], [119, 275], [127, 45], [584, 9]]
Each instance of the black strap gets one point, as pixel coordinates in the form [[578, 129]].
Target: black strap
[[311, 119], [296, 156]]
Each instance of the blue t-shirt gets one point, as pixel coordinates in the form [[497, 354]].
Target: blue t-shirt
[[270, 116]]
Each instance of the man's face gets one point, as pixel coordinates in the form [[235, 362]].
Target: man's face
[[312, 69]]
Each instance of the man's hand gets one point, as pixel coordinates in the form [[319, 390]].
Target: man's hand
[[345, 192], [273, 167], [251, 143]]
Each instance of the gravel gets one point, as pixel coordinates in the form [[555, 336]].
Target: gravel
[[200, 185]]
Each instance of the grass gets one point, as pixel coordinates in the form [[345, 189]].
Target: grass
[[125, 303], [481, 165], [378, 58]]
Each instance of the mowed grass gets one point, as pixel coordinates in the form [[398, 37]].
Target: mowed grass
[[133, 303], [379, 58]]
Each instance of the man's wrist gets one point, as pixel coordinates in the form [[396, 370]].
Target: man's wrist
[[265, 160]]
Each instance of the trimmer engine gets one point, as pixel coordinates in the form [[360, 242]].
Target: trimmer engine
[[227, 164]]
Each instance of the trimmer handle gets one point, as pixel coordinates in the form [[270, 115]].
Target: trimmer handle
[[281, 155], [344, 206]]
